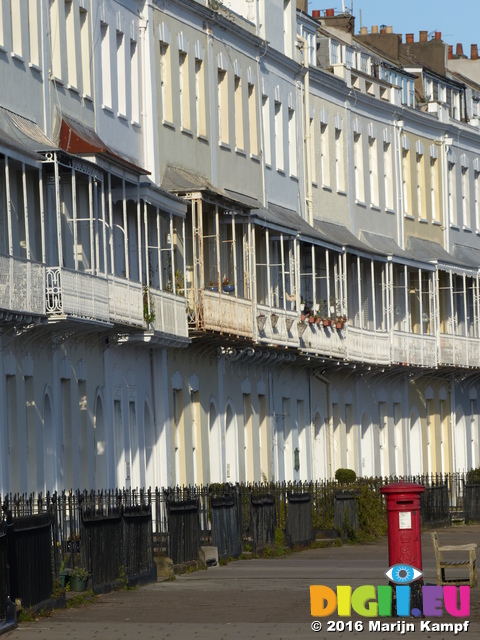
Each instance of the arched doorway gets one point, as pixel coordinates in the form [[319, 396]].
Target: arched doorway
[[215, 445], [149, 446], [460, 442], [416, 460], [49, 444], [231, 446], [320, 468], [100, 467], [367, 448]]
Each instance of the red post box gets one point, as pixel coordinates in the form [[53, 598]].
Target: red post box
[[403, 511]]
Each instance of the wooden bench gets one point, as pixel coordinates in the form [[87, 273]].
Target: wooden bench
[[442, 564]]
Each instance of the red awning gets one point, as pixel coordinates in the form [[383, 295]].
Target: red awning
[[77, 138]]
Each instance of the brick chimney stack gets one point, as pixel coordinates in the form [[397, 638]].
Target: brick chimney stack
[[423, 36], [474, 52], [459, 49]]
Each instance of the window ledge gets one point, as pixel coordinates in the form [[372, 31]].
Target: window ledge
[[268, 165], [122, 116], [389, 210], [423, 220], [341, 192], [202, 137], [57, 80], [281, 171], [255, 157], [135, 123], [87, 96], [293, 177], [224, 145], [107, 108], [454, 226], [34, 67], [408, 216], [360, 203], [170, 125], [437, 223], [17, 56], [2, 49], [467, 229], [240, 152], [73, 89], [375, 207], [188, 132], [327, 187]]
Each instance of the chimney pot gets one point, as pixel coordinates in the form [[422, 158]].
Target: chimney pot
[[330, 12], [383, 30], [409, 38], [459, 49], [374, 28], [363, 31], [438, 35], [450, 51], [316, 13], [423, 36], [474, 52], [389, 29]]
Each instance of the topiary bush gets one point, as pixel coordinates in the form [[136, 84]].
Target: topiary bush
[[473, 476], [345, 476]]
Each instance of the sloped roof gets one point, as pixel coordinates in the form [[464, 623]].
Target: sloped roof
[[21, 134]]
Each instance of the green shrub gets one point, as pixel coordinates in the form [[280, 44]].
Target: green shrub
[[473, 476], [345, 476]]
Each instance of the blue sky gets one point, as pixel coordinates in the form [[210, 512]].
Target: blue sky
[[458, 20]]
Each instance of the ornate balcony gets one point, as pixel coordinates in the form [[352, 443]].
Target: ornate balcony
[[414, 349], [372, 347], [277, 326], [22, 286], [459, 351], [126, 302], [114, 301], [170, 313], [72, 293], [225, 313]]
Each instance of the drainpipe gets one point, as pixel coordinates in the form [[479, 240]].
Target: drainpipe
[[452, 425], [398, 143], [308, 190]]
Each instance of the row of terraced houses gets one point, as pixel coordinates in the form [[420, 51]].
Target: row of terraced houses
[[238, 242]]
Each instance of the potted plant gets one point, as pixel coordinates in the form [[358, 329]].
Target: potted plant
[[261, 319], [227, 286], [78, 579], [148, 306], [212, 285], [63, 575], [340, 321]]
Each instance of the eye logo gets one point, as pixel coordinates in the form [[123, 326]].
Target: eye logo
[[403, 574]]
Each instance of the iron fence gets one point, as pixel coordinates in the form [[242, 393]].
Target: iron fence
[[178, 520], [4, 576]]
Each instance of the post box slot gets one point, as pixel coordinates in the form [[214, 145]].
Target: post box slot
[[404, 501]]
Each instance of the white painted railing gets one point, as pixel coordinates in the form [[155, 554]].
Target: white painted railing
[[22, 286], [414, 349], [225, 313], [459, 350], [76, 294], [368, 346], [125, 301], [170, 313]]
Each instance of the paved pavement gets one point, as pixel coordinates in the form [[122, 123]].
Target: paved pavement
[[252, 599]]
